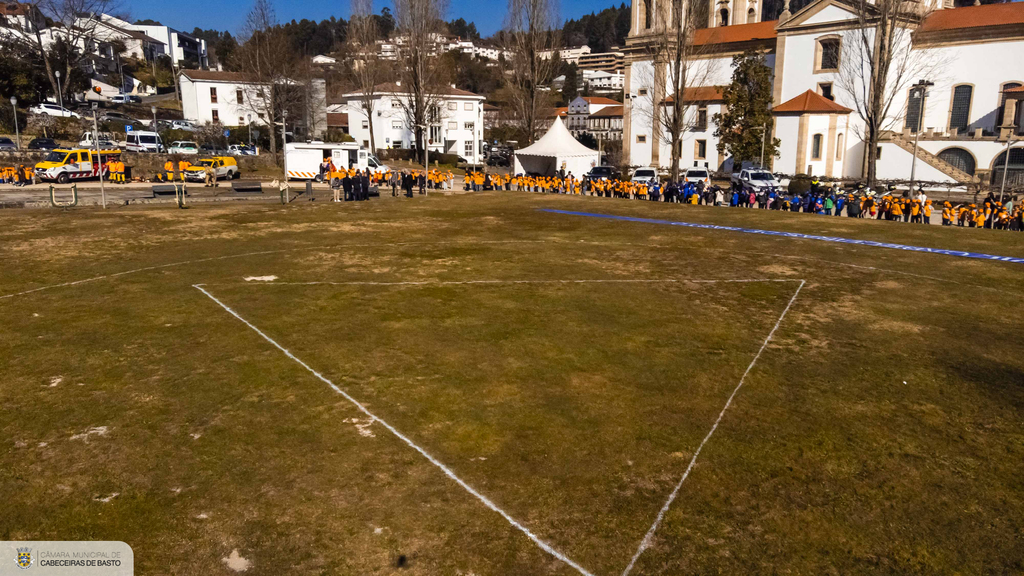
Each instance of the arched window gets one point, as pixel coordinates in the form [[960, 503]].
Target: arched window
[[915, 109], [648, 13], [839, 147], [960, 108], [724, 13], [816, 147], [751, 16], [1014, 169], [958, 158]]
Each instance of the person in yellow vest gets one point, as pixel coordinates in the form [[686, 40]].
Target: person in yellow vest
[[182, 166], [947, 214], [927, 211], [121, 171], [169, 170], [915, 212]]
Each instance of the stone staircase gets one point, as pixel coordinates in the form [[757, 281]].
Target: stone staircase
[[907, 143]]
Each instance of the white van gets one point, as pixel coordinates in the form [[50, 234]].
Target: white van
[[143, 141]]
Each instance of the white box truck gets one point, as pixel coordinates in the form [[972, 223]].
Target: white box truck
[[303, 158]]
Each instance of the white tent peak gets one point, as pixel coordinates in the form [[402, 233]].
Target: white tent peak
[[557, 142]]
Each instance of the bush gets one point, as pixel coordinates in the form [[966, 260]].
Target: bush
[[56, 127]]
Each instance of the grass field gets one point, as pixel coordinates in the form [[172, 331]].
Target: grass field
[[541, 383]]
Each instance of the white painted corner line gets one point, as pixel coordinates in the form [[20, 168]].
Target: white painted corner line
[[549, 281], [646, 542], [447, 471]]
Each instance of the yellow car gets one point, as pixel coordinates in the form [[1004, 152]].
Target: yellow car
[[225, 168], [76, 164]]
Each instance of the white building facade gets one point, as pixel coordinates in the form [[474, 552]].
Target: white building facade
[[457, 128], [962, 122], [227, 98], [182, 48]]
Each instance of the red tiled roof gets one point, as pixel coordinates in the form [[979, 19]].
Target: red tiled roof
[[1017, 90], [600, 100], [699, 94], [561, 112], [608, 112], [810, 102], [14, 8], [974, 17], [737, 33], [339, 119]]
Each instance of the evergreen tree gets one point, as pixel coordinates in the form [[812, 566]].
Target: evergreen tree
[[747, 111]]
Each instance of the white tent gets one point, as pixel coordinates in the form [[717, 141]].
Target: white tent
[[554, 151]]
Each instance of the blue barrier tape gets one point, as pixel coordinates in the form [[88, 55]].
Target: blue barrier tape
[[959, 253]]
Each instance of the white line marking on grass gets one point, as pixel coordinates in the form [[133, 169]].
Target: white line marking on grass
[[470, 282], [646, 542], [447, 471], [262, 253]]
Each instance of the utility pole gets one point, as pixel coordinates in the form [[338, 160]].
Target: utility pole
[[921, 91], [96, 142]]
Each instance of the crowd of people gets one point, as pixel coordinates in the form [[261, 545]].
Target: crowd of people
[[857, 202], [19, 176]]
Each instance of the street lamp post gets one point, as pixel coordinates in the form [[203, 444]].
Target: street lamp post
[[60, 93], [153, 110], [96, 140], [248, 122], [284, 141], [17, 132], [920, 90], [1006, 166]]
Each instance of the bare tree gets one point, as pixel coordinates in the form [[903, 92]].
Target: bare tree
[[70, 22], [530, 41], [679, 67], [268, 63], [878, 65], [423, 78], [365, 69]]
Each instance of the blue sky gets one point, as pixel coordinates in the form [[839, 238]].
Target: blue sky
[[229, 14]]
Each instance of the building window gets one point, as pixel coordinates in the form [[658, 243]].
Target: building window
[[241, 121], [468, 106], [958, 158], [960, 109], [825, 89], [366, 124], [827, 55], [396, 124], [700, 149], [915, 107], [648, 16], [1002, 103], [470, 126], [453, 125], [238, 95], [702, 119], [396, 104], [259, 92], [641, 139], [215, 116], [453, 106], [642, 92], [213, 95], [816, 147], [435, 134], [839, 147], [469, 148], [751, 16], [366, 143], [723, 16]]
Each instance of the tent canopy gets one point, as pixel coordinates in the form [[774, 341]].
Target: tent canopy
[[556, 150]]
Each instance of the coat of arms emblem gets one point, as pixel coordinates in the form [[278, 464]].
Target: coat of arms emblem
[[24, 560]]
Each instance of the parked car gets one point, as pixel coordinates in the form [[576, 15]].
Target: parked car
[[241, 150], [134, 99], [225, 167], [116, 117], [183, 147], [644, 175], [755, 178], [697, 175], [120, 99], [51, 109], [183, 125], [43, 144], [603, 173], [7, 144]]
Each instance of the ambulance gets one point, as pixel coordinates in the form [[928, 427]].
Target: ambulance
[[63, 166], [303, 159]]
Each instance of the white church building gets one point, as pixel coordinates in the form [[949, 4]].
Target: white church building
[[962, 121]]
